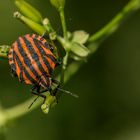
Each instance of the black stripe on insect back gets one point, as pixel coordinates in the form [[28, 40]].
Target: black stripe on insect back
[[26, 73], [47, 46], [42, 52], [53, 59], [46, 43], [34, 55], [27, 61]]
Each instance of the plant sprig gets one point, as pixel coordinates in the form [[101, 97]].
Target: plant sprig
[[67, 41]]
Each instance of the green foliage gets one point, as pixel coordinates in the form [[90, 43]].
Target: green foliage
[[79, 51], [28, 10], [38, 28], [78, 39]]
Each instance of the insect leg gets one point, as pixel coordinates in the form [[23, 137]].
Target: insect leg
[[58, 85], [58, 62], [45, 34], [36, 91], [62, 90]]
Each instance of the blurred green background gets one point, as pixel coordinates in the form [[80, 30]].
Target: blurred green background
[[108, 84]]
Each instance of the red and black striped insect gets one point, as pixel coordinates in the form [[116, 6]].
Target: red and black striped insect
[[32, 60]]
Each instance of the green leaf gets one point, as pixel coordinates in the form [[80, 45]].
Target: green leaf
[[28, 10], [79, 50], [75, 57], [58, 4], [80, 37]]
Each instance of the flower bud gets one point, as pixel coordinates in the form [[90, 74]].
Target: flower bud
[[80, 37], [58, 4], [33, 25], [4, 51], [49, 29], [79, 50], [28, 10]]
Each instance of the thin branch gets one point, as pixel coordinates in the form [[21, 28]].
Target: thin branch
[[64, 27], [63, 21], [116, 22]]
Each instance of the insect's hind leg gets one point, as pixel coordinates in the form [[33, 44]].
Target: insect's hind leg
[[36, 91]]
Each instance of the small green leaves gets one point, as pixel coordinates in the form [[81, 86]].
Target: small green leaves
[[28, 10], [58, 4], [38, 28], [79, 50], [75, 45]]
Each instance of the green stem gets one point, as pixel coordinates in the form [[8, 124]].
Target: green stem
[[63, 21], [115, 23], [64, 66], [64, 27]]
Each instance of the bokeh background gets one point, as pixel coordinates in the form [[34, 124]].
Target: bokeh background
[[108, 84]]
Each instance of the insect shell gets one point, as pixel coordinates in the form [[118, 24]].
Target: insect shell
[[32, 60]]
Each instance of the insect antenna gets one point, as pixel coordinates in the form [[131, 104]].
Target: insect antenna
[[33, 102], [68, 92]]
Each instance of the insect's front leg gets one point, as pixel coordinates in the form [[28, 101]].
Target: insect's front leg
[[58, 62], [56, 89]]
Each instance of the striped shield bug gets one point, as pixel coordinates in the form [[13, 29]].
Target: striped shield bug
[[32, 60]]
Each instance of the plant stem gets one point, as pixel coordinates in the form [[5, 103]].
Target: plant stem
[[3, 55], [64, 27], [63, 21], [64, 66], [115, 23]]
